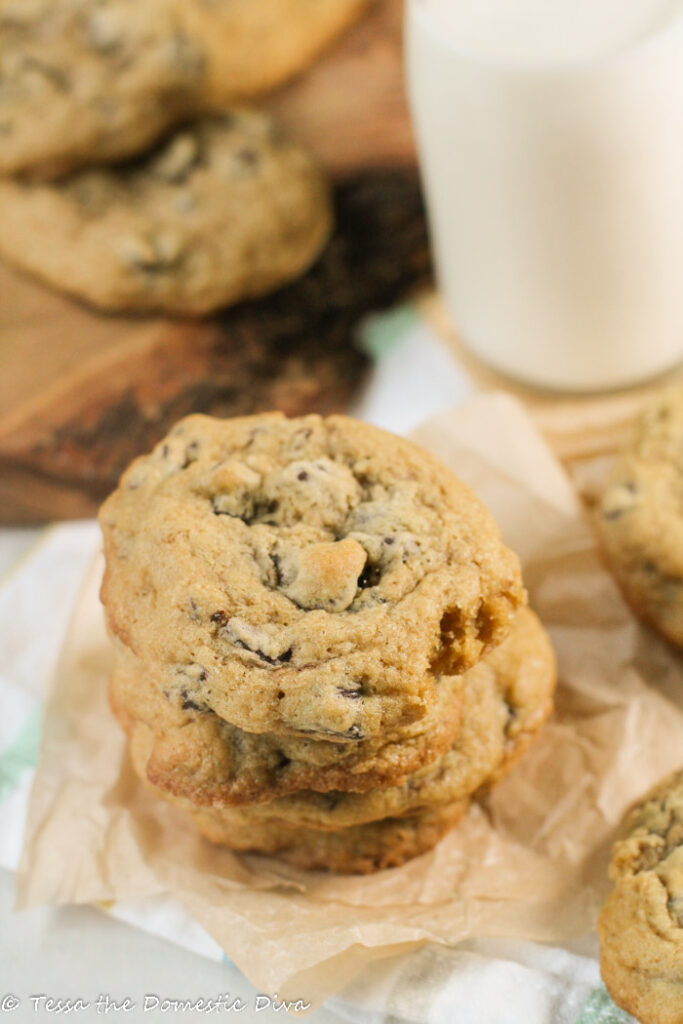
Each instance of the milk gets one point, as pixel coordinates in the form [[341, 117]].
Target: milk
[[550, 135]]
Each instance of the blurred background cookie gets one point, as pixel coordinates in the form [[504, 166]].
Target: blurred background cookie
[[641, 516], [249, 48], [641, 923], [226, 209], [86, 81]]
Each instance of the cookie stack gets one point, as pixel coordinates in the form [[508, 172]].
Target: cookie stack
[[222, 209], [322, 649]]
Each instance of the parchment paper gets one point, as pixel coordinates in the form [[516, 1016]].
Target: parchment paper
[[529, 864]]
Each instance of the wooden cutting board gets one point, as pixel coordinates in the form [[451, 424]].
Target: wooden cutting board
[[82, 393]]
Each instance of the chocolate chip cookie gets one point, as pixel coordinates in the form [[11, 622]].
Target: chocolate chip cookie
[[249, 48], [360, 849], [641, 923], [87, 81], [91, 81], [641, 517], [309, 577], [189, 751], [506, 698], [224, 210]]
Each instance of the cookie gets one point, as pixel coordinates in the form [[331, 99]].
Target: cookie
[[360, 849], [250, 48], [86, 81], [225, 210], [641, 517], [641, 923], [506, 699], [189, 751], [92, 81], [306, 576]]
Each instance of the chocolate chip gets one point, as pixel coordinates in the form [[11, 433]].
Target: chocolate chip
[[276, 566], [370, 576], [303, 475], [281, 660], [389, 540], [188, 704], [354, 733], [220, 617]]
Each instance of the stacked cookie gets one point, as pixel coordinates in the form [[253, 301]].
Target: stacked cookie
[[322, 649], [222, 209]]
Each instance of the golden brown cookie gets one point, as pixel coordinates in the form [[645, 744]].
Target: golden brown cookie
[[506, 699], [188, 751], [83, 81], [250, 48], [93, 81], [641, 517], [641, 923], [359, 849], [226, 209], [307, 576]]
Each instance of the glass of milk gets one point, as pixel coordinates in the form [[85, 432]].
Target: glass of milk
[[550, 136]]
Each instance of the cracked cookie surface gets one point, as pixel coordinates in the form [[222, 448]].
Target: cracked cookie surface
[[641, 517], [189, 751], [641, 923], [308, 577], [93, 81], [225, 209]]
